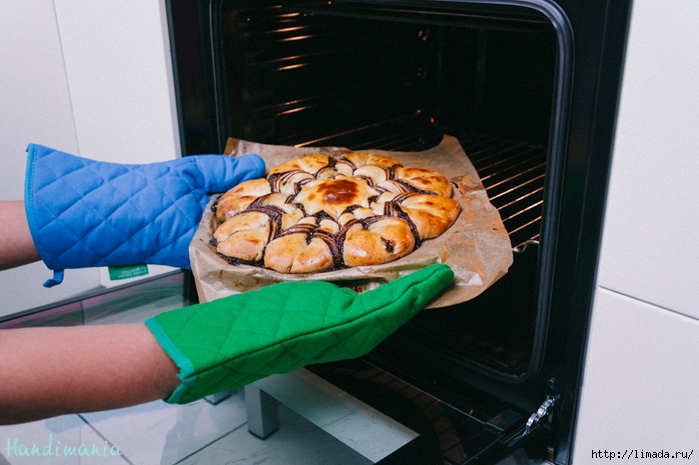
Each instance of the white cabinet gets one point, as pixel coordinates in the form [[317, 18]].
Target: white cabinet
[[89, 78], [642, 365], [649, 248], [640, 384], [117, 58], [35, 98]]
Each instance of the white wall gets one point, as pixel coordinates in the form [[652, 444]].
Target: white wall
[[90, 78], [33, 87], [641, 381], [117, 59]]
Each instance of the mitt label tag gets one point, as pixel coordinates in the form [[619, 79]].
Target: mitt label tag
[[117, 273]]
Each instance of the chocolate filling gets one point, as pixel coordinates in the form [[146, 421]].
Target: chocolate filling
[[335, 242], [331, 242], [303, 228], [275, 217], [409, 188], [388, 245], [393, 208]]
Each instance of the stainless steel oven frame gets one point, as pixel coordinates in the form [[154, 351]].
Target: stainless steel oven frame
[[590, 43]]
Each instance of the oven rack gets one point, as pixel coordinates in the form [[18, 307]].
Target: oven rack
[[512, 171], [513, 174]]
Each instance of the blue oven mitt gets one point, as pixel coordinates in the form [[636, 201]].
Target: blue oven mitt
[[87, 213], [236, 340]]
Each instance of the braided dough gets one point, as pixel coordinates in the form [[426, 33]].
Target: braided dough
[[318, 213]]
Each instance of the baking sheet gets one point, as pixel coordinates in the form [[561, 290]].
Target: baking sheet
[[477, 247]]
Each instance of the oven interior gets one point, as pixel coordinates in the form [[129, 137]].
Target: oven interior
[[399, 77]]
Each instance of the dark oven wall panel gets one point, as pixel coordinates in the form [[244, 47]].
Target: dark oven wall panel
[[290, 77], [313, 77]]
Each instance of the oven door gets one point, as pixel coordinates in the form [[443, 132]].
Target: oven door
[[383, 419]]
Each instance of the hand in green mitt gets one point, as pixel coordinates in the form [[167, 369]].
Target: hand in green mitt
[[239, 339]]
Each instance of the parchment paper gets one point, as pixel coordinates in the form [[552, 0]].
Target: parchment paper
[[477, 247]]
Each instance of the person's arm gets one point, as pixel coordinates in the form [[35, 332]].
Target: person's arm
[[53, 371], [16, 244], [185, 354]]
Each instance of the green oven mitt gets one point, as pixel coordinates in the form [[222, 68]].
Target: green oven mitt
[[237, 340]]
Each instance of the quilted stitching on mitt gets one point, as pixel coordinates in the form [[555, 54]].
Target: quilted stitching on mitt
[[85, 213], [236, 340]]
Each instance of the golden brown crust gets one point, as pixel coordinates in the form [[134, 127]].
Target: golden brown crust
[[244, 236], [431, 214], [318, 213], [282, 251], [381, 241], [359, 159], [240, 197], [305, 248], [424, 180], [334, 196], [315, 258], [310, 164]]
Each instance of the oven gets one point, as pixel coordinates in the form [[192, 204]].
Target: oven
[[530, 89]]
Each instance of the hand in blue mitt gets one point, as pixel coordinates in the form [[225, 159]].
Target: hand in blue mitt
[[86, 213]]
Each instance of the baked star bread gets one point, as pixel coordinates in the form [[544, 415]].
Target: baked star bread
[[320, 213]]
